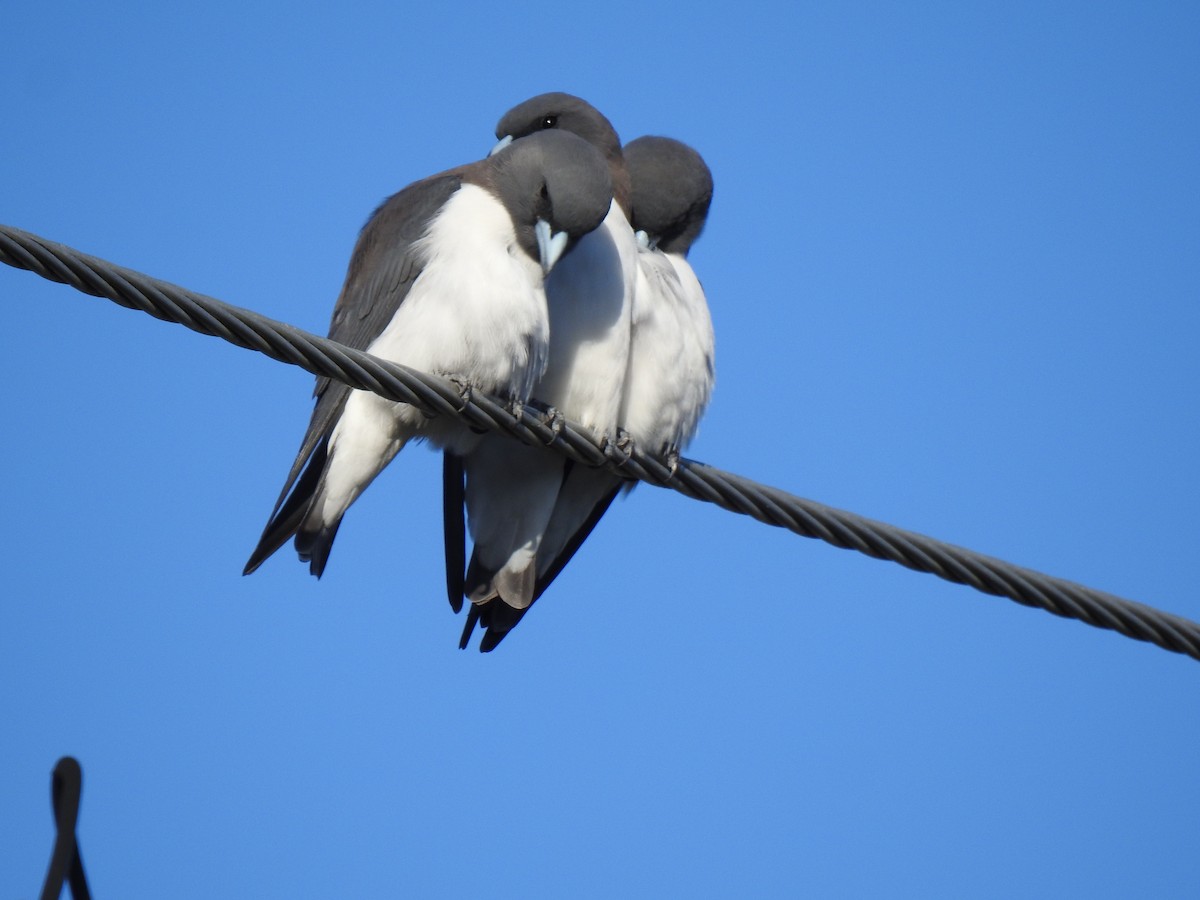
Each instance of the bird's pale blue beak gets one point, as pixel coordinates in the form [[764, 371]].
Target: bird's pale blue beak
[[551, 245]]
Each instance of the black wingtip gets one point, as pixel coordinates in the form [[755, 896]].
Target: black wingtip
[[274, 536], [491, 640], [314, 547], [576, 541], [499, 619], [285, 521], [454, 530], [468, 627]]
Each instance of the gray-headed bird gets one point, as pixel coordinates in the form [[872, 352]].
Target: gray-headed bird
[[512, 490], [447, 277], [669, 375]]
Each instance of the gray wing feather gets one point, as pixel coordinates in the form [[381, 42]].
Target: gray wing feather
[[385, 264], [383, 268]]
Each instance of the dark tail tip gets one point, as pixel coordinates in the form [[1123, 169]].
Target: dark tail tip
[[314, 547], [468, 627], [491, 640]]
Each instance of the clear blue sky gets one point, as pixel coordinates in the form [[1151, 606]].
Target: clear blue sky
[[954, 268]]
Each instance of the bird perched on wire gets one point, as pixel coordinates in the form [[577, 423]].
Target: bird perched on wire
[[511, 490], [447, 277], [669, 376]]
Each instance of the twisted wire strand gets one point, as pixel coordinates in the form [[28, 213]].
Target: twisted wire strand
[[442, 396]]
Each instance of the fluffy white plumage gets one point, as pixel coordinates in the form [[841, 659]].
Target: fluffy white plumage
[[699, 350], [447, 276], [590, 298], [478, 311], [512, 489], [670, 375], [667, 386]]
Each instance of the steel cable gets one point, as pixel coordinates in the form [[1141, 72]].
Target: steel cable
[[442, 396]]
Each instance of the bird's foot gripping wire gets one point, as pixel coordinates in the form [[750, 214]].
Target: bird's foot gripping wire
[[516, 409], [620, 450], [465, 397], [551, 418], [465, 392], [671, 461]]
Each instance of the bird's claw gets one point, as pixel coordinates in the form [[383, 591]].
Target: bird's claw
[[620, 450], [671, 460], [551, 418], [465, 394], [516, 409], [465, 398]]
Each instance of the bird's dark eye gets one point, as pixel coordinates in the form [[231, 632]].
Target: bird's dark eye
[[549, 121]]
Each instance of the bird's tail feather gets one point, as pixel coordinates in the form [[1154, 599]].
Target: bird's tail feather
[[454, 529], [498, 601], [502, 620], [483, 586], [289, 516], [313, 546], [497, 619], [574, 543], [469, 626]]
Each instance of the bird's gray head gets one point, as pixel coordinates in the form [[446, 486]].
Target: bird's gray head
[[556, 187], [564, 112], [557, 111], [672, 190]]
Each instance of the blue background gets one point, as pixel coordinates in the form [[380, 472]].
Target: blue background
[[954, 268]]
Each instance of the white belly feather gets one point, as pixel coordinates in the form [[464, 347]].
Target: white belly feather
[[477, 312]]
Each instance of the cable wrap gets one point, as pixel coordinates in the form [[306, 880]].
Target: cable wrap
[[442, 396]]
